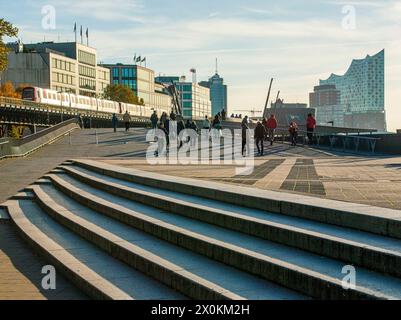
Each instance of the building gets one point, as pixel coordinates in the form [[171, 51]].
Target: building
[[194, 97], [279, 104], [70, 67], [326, 99], [218, 93], [362, 92], [195, 100], [141, 80], [167, 80]]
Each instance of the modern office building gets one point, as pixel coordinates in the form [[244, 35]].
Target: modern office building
[[326, 99], [195, 100], [194, 97], [66, 66], [362, 92], [141, 80], [218, 93], [167, 79]]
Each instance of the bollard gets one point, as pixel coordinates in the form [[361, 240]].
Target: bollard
[[97, 138], [69, 135]]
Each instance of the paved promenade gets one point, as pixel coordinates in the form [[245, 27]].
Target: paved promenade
[[368, 180], [361, 179]]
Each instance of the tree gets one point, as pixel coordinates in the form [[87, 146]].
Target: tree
[[121, 93], [6, 30], [7, 90]]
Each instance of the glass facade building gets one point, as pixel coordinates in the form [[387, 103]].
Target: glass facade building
[[362, 92], [141, 81], [218, 93], [195, 100]]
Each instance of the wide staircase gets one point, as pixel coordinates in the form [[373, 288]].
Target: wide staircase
[[121, 233]]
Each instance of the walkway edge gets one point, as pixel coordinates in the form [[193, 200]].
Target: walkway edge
[[362, 217]]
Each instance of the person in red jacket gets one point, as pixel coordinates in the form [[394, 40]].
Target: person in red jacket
[[271, 127], [310, 127]]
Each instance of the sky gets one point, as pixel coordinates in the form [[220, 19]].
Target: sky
[[295, 42]]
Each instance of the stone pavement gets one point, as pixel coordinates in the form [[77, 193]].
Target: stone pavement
[[361, 179], [20, 269], [373, 180]]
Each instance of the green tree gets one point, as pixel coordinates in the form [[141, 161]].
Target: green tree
[[6, 30], [121, 93]]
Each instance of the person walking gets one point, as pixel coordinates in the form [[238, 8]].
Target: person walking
[[271, 128], [260, 133], [127, 120], [163, 118], [114, 122], [244, 127], [264, 123], [293, 129], [206, 123], [154, 119], [310, 127]]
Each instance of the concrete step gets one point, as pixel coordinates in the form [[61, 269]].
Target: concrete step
[[310, 274], [367, 250], [115, 279], [189, 273], [34, 227], [376, 220]]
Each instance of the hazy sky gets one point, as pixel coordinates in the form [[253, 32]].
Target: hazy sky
[[297, 42]]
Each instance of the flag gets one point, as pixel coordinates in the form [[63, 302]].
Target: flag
[[81, 31], [135, 57], [75, 27], [87, 32], [139, 59], [143, 60]]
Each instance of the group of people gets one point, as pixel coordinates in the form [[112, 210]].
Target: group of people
[[126, 119], [265, 130]]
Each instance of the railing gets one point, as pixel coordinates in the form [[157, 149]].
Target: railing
[[23, 110]]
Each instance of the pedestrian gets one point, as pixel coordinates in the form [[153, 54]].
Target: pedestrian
[[172, 115], [293, 129], [206, 123], [260, 133], [127, 120], [310, 127], [154, 119], [223, 114], [264, 123], [114, 122], [271, 128], [245, 128], [163, 118]]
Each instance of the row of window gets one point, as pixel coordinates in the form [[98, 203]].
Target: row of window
[[87, 72], [125, 73], [63, 78], [63, 65], [103, 75], [87, 58], [87, 84]]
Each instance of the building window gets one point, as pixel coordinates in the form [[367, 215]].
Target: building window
[[116, 74]]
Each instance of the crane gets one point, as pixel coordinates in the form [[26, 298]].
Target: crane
[[265, 113]]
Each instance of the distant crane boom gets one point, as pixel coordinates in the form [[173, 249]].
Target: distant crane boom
[[268, 97]]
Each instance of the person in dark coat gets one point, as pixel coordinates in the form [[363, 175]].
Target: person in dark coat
[[260, 132], [154, 119], [244, 127], [114, 122]]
